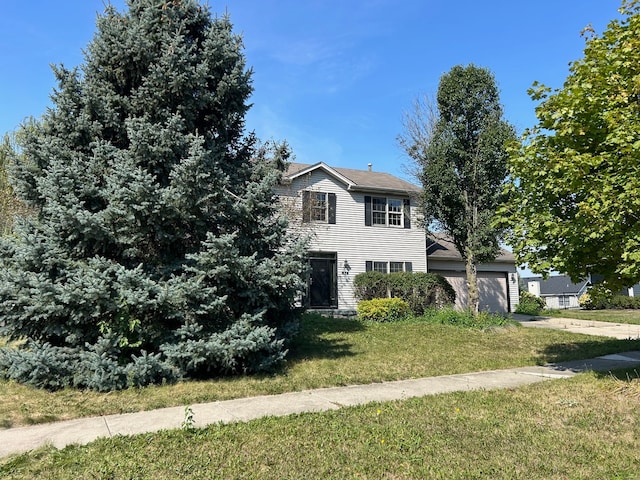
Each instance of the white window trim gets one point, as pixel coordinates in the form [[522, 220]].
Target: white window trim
[[388, 263], [387, 212]]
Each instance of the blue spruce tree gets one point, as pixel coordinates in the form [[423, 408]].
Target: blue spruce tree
[[155, 249]]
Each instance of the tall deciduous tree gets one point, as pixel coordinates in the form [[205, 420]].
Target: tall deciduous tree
[[576, 178], [460, 147], [156, 249]]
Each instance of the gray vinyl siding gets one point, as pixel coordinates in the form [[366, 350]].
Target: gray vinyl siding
[[349, 237]]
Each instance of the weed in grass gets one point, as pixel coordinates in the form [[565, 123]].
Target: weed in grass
[[629, 387], [188, 423]]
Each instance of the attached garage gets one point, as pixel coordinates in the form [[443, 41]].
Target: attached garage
[[497, 281], [492, 286]]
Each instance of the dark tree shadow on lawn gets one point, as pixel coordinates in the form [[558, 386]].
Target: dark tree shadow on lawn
[[320, 337], [571, 351]]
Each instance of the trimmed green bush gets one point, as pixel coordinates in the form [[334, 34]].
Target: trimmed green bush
[[530, 304], [383, 309], [419, 290], [370, 285]]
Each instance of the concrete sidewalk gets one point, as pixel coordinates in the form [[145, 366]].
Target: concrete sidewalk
[[85, 430], [621, 331]]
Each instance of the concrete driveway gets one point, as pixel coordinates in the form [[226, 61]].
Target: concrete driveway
[[621, 331]]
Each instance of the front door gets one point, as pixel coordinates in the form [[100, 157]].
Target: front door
[[323, 282]]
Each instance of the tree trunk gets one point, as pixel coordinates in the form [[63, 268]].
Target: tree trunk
[[472, 284]]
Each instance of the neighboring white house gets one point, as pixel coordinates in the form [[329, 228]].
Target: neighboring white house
[[558, 290], [358, 220], [362, 220], [497, 281]]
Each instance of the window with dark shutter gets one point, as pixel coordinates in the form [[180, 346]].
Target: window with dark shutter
[[306, 206], [367, 210], [407, 213], [332, 208], [390, 212]]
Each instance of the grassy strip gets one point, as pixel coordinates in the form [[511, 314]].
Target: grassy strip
[[614, 316], [585, 427], [329, 352]]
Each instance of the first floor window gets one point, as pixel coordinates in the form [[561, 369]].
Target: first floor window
[[396, 267], [380, 267], [388, 267]]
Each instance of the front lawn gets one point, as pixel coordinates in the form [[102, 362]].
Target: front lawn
[[614, 316], [329, 352], [584, 427]]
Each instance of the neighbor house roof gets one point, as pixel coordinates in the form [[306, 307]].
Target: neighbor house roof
[[558, 285], [363, 180], [439, 246]]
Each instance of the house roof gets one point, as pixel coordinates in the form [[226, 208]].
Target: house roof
[[440, 247], [363, 180], [558, 285]]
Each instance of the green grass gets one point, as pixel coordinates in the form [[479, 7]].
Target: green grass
[[614, 316], [329, 352], [584, 427]]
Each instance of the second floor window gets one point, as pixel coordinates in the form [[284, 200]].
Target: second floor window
[[318, 207], [392, 212]]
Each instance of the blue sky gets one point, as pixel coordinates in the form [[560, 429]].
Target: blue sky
[[332, 77]]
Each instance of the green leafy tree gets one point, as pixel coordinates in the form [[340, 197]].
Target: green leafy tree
[[460, 148], [576, 178], [156, 249]]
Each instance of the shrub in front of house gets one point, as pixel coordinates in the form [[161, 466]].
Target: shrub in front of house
[[421, 291], [597, 298], [383, 309], [530, 304], [622, 302], [369, 285], [600, 298]]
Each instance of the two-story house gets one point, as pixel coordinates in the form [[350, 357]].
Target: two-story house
[[362, 220], [358, 220]]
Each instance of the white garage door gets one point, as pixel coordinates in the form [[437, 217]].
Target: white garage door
[[492, 287]]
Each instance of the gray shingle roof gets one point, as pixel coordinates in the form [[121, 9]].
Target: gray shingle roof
[[558, 285], [359, 179], [439, 246]]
